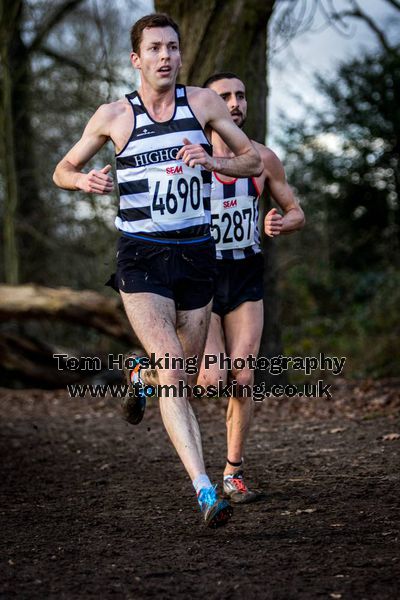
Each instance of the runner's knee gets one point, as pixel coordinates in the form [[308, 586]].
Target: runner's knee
[[211, 377], [242, 376], [172, 376]]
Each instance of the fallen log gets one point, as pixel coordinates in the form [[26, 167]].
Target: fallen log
[[28, 362], [88, 308], [25, 361]]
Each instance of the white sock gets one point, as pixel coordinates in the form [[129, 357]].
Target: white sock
[[201, 481]]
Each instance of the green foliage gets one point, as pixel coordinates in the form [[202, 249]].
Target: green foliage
[[363, 325], [341, 291]]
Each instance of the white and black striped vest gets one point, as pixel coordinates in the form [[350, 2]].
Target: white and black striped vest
[[161, 199], [234, 217]]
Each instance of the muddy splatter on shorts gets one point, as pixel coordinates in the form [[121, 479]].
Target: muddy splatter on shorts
[[183, 272]]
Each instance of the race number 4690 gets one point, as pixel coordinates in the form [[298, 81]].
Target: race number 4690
[[175, 198]]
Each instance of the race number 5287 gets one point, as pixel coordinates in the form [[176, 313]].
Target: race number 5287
[[233, 227]]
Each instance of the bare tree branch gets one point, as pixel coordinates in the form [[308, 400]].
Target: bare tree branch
[[293, 20], [335, 19], [80, 68], [394, 3], [67, 60], [102, 43], [357, 13], [53, 20]]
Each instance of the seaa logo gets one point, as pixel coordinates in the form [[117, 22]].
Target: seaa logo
[[230, 203], [174, 170]]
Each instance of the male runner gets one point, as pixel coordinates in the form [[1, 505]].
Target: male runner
[[237, 314], [166, 256]]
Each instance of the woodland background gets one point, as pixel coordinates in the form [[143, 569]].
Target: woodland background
[[333, 287]]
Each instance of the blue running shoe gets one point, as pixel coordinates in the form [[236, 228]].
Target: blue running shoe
[[134, 403], [216, 512]]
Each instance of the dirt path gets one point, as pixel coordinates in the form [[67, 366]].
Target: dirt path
[[92, 506]]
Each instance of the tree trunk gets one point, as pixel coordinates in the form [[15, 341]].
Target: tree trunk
[[26, 219], [231, 35], [8, 18], [32, 215], [227, 35]]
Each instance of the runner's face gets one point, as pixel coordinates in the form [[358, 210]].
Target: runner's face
[[233, 92], [159, 59]]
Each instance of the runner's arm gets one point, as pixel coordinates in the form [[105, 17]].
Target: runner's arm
[[245, 163], [275, 178], [68, 173]]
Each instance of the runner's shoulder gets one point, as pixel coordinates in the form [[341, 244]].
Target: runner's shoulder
[[268, 156], [112, 110], [107, 115], [264, 151], [199, 94], [204, 104]]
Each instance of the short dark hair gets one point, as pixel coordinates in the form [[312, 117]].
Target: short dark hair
[[150, 21], [218, 76]]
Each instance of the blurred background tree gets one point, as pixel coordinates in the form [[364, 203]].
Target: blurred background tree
[[338, 278], [59, 61]]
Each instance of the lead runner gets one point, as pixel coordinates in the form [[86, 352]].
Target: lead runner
[[166, 256], [237, 313]]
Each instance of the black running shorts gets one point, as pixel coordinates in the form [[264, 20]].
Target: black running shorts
[[238, 281], [183, 272]]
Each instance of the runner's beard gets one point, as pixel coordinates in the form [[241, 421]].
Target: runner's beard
[[240, 125]]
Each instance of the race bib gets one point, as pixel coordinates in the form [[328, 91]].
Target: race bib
[[176, 193], [232, 222]]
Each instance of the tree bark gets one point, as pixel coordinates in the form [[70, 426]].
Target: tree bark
[[226, 35]]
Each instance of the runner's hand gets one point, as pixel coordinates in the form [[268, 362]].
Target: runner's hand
[[96, 182], [273, 223], [194, 154]]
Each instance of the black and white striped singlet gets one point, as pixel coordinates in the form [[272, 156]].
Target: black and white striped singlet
[[162, 199], [234, 217]]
